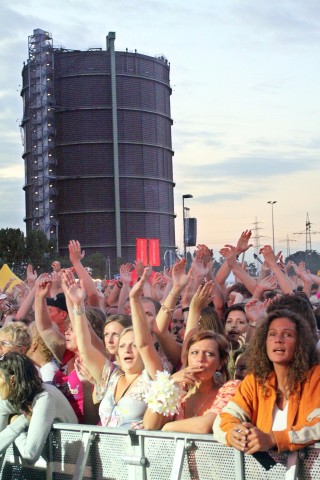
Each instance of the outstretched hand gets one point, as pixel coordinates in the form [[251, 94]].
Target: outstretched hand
[[202, 297], [179, 276], [137, 289], [75, 253], [243, 242], [74, 290]]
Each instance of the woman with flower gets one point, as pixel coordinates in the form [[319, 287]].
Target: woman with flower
[[205, 354]]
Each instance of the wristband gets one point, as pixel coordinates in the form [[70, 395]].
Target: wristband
[[119, 284], [78, 311], [185, 309], [253, 325], [166, 309]]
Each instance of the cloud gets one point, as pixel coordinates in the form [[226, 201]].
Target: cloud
[[248, 167]]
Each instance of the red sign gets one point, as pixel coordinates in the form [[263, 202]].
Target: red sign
[[148, 251], [142, 251], [154, 252]]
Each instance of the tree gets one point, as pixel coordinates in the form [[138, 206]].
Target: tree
[[310, 257], [39, 250], [12, 246]]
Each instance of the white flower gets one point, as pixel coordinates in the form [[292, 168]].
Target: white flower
[[164, 395]]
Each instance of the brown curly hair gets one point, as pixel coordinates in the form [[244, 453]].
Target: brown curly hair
[[304, 358]]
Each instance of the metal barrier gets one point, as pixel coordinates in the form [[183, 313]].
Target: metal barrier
[[76, 452]]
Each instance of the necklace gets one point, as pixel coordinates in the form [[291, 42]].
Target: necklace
[[193, 410]]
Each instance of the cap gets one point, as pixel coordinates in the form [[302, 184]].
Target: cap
[[58, 301]]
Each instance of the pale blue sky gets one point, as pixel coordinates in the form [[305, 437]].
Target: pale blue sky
[[245, 103]]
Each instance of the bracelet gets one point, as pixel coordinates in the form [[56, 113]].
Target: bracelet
[[119, 284], [78, 311], [185, 309], [177, 298], [253, 325], [166, 309]]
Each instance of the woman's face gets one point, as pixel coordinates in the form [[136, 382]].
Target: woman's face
[[236, 325], [205, 354], [129, 357], [111, 335], [4, 387], [71, 340], [281, 341]]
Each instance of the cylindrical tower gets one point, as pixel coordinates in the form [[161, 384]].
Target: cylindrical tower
[[108, 166]]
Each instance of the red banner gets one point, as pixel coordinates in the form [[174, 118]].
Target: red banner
[[142, 251], [154, 252]]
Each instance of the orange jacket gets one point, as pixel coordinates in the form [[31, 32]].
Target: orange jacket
[[249, 405]]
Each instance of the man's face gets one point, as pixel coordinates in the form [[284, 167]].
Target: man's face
[[150, 311], [58, 316]]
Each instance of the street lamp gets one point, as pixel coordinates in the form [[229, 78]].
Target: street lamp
[[184, 223], [272, 202]]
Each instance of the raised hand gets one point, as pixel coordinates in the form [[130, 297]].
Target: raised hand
[[138, 265], [229, 252], [125, 273], [31, 274], [199, 269], [206, 253], [179, 276], [268, 282], [74, 290], [56, 266], [202, 296], [269, 256], [255, 310], [75, 253], [43, 285], [137, 288], [243, 242]]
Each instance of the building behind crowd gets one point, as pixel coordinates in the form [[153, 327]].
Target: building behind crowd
[[97, 147]]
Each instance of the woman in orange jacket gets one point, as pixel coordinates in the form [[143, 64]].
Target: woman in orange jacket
[[277, 405]]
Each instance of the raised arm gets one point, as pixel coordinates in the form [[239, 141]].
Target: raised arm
[[242, 246], [93, 358], [76, 255], [271, 261], [124, 283], [199, 301], [48, 330], [141, 328], [179, 280], [230, 253]]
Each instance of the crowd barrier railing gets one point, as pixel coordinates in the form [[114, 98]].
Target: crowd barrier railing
[[76, 452]]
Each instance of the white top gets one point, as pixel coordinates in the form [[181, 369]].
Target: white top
[[48, 406], [48, 370], [280, 418]]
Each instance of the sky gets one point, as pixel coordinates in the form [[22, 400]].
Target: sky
[[245, 105]]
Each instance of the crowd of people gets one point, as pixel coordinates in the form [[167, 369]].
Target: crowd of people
[[175, 350]]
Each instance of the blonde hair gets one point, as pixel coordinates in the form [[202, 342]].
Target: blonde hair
[[18, 333], [35, 335]]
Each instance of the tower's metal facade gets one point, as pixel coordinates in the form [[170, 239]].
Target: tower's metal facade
[[98, 150]]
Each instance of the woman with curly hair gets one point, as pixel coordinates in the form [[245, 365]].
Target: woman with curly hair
[[28, 408], [277, 405]]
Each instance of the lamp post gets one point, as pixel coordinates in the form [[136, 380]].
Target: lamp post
[[272, 202], [184, 223]]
